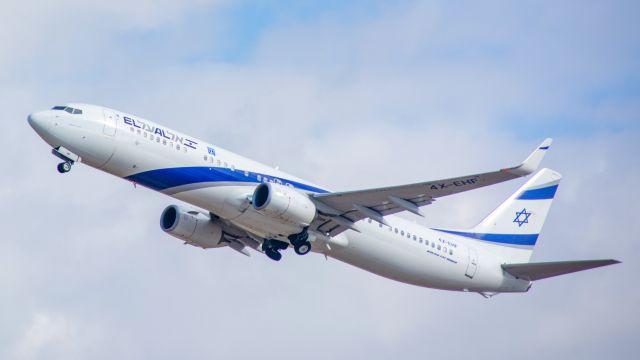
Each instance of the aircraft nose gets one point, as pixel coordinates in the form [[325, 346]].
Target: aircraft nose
[[37, 120]]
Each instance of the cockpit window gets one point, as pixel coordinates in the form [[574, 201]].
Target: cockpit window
[[68, 109]]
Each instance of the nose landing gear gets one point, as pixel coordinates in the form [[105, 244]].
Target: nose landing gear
[[68, 158], [64, 167]]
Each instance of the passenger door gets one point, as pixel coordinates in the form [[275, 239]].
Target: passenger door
[[110, 123]]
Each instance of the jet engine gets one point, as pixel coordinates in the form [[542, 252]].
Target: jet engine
[[283, 203], [193, 227]]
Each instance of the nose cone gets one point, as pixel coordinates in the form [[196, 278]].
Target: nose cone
[[38, 121]]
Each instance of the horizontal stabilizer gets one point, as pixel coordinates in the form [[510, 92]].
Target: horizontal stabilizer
[[543, 270]]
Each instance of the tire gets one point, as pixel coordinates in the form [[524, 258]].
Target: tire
[[303, 248], [279, 245], [273, 254], [64, 167]]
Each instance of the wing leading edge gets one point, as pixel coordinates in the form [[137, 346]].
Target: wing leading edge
[[339, 210]]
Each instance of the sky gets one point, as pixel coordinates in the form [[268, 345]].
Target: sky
[[347, 94]]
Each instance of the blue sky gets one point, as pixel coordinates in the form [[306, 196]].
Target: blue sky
[[348, 95]]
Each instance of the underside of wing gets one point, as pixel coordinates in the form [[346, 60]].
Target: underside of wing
[[339, 210]]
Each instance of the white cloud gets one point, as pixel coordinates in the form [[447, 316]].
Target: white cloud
[[51, 336]]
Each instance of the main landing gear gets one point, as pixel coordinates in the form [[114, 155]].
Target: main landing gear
[[300, 242], [272, 248]]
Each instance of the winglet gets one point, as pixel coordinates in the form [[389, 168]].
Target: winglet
[[533, 161]]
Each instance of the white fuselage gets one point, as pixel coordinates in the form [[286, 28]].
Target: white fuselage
[[221, 182]]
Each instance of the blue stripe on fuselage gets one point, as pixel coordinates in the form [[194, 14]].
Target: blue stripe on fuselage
[[539, 194], [511, 239], [162, 179]]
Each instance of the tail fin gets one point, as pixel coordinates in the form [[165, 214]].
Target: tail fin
[[512, 229]]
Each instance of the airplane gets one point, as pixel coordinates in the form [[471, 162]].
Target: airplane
[[241, 204]]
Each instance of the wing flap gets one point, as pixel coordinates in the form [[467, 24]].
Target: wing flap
[[543, 270]]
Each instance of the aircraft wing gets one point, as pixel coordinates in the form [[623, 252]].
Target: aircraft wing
[[339, 210]]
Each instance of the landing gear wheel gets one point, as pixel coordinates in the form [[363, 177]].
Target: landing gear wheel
[[64, 167], [272, 248], [273, 254], [302, 248]]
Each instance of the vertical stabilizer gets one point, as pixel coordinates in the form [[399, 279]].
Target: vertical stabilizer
[[511, 231]]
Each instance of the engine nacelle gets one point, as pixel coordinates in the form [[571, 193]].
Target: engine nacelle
[[191, 226], [284, 203]]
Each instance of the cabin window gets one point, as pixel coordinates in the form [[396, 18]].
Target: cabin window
[[164, 142], [205, 158], [439, 247], [414, 238], [433, 245], [132, 129], [396, 229], [402, 232], [450, 252]]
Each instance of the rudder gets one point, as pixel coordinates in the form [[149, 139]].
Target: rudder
[[512, 229]]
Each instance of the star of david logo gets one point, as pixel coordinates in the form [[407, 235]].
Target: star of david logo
[[522, 217]]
